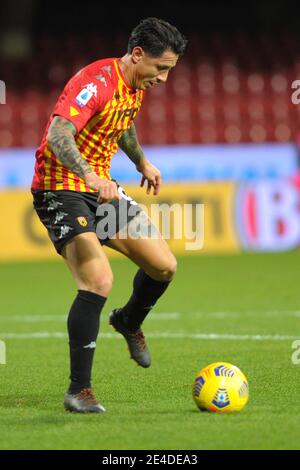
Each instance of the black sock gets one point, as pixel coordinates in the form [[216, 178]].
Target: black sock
[[146, 292], [83, 328]]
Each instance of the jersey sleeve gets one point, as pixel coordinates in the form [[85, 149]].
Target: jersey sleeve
[[82, 98]]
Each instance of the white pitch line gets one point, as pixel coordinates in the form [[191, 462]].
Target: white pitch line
[[154, 316], [63, 318], [159, 335]]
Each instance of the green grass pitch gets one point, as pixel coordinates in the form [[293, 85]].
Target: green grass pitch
[[250, 303]]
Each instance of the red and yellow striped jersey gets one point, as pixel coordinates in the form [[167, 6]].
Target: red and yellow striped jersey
[[101, 105]]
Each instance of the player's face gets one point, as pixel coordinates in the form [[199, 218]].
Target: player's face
[[150, 71]]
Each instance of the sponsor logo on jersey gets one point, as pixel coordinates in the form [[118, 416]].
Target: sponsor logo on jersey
[[101, 78], [119, 115], [107, 68]]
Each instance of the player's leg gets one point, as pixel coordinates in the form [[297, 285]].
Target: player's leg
[[93, 276], [69, 218], [147, 249], [157, 267]]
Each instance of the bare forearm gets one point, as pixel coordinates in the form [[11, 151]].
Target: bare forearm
[[61, 140], [130, 145]]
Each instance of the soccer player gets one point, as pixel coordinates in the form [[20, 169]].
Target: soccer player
[[72, 184]]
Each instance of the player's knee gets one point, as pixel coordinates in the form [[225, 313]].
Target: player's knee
[[168, 271], [106, 285], [101, 285], [172, 268]]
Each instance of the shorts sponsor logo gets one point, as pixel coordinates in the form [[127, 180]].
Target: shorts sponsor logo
[[53, 205], [48, 196], [59, 217], [64, 230]]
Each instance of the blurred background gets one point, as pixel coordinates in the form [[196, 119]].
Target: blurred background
[[224, 130]]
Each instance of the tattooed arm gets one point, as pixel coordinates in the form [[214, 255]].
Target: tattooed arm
[[60, 137], [61, 140], [130, 145]]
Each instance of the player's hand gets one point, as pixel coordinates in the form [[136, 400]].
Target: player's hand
[[151, 175], [108, 190]]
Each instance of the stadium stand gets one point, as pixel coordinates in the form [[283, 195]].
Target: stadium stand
[[227, 89]]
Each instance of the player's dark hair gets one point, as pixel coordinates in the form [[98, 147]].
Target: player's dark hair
[[155, 36]]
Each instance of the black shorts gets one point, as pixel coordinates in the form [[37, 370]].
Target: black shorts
[[68, 213]]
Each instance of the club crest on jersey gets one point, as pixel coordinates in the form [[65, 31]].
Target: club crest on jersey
[[86, 94], [82, 221]]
